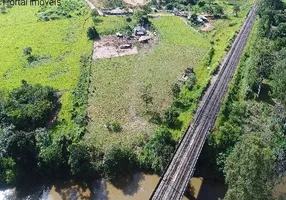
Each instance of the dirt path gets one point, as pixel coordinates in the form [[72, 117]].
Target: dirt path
[[136, 2], [92, 7]]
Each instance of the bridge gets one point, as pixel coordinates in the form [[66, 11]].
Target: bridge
[[180, 169]]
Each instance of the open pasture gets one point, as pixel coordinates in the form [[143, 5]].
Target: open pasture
[[57, 45], [117, 83]]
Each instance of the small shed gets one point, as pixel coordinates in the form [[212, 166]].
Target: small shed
[[176, 11], [140, 31]]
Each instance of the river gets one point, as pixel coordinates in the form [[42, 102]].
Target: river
[[139, 186]]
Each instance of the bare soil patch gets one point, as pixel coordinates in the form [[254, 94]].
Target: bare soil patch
[[111, 46], [207, 27]]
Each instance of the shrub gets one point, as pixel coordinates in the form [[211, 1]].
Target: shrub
[[191, 81], [94, 13], [176, 90], [29, 106], [113, 126], [128, 19], [171, 118], [27, 51], [3, 9], [155, 118]]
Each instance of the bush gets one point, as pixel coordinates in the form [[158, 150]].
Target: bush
[[191, 81], [27, 51], [155, 118], [3, 10], [94, 13], [113, 126], [29, 106], [128, 19], [92, 34], [176, 90], [118, 161], [171, 118]]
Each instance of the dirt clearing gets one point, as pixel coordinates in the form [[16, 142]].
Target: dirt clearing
[[112, 46]]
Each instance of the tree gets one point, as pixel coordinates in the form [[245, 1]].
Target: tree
[[92, 33], [236, 9], [118, 161], [141, 17], [158, 151], [80, 161], [29, 106], [248, 170], [146, 95]]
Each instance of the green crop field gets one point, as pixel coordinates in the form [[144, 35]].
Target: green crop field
[[117, 83], [58, 43]]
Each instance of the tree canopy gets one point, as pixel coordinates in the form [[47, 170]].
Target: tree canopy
[[29, 106], [248, 170]]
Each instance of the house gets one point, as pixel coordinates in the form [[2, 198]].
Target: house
[[140, 31]]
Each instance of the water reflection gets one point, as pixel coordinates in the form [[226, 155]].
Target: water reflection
[[137, 186]]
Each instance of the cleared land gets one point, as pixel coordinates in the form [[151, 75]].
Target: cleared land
[[117, 83], [59, 43]]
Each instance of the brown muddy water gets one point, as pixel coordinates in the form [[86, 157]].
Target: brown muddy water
[[139, 186]]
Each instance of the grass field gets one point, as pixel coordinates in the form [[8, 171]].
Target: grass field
[[117, 83], [60, 42]]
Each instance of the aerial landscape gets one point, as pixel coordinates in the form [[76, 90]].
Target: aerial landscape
[[143, 99]]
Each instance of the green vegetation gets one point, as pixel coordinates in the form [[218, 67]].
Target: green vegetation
[[249, 136], [66, 9], [157, 152], [59, 45], [248, 170], [28, 107], [51, 57], [109, 109], [122, 88]]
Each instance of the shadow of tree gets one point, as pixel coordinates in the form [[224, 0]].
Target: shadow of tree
[[264, 95], [128, 184]]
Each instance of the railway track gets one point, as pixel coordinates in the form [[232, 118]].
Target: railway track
[[176, 176]]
